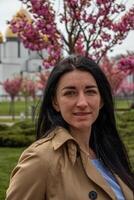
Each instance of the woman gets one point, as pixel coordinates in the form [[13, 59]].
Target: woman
[[78, 154]]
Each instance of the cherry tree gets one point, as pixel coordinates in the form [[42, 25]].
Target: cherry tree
[[12, 87], [91, 28], [126, 64], [43, 76], [115, 75], [28, 89], [126, 88]]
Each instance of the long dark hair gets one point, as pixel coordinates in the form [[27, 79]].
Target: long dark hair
[[105, 140]]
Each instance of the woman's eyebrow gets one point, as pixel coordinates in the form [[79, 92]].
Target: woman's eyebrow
[[91, 86], [68, 87], [73, 87]]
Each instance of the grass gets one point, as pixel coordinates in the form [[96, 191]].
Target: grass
[[5, 107], [122, 103], [8, 159], [19, 107]]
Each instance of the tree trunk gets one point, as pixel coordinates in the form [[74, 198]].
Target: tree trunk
[[12, 108], [26, 107]]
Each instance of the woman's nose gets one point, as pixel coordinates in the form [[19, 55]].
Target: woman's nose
[[82, 100]]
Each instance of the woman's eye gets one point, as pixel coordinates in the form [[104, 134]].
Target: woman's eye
[[90, 92], [70, 93]]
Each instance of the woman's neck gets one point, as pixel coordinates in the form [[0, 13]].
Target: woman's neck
[[83, 138]]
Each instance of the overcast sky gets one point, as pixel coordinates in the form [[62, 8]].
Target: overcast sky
[[8, 8]]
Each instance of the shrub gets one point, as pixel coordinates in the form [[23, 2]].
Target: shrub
[[24, 124], [15, 140], [18, 135], [127, 116], [3, 127]]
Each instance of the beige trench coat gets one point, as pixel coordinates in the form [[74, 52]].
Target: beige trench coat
[[52, 169]]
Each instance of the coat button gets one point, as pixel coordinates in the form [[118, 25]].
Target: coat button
[[92, 195]]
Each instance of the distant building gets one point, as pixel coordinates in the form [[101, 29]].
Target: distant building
[[15, 58]]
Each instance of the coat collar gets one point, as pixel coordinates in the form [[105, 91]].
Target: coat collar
[[62, 136]]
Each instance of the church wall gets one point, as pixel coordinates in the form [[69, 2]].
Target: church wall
[[11, 49], [1, 51], [23, 51], [35, 65], [10, 70], [1, 80]]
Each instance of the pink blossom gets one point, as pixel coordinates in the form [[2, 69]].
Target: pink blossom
[[126, 64], [43, 77], [28, 88], [102, 27], [12, 86], [125, 88], [113, 73]]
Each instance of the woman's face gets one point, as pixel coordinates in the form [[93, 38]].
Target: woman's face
[[78, 99]]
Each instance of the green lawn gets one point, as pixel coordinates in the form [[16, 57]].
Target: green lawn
[[20, 106], [122, 103], [5, 107], [8, 159]]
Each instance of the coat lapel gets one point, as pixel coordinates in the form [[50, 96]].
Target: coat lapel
[[125, 189], [95, 176]]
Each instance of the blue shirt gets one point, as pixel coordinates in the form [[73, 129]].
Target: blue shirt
[[109, 178]]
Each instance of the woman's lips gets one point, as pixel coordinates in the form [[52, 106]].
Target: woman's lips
[[82, 113]]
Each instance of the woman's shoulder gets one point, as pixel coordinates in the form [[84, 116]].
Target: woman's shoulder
[[41, 148], [48, 148]]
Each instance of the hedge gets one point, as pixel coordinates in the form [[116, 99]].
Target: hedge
[[20, 134]]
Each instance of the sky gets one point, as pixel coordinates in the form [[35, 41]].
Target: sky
[[9, 8]]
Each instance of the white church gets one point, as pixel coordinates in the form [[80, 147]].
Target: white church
[[15, 58]]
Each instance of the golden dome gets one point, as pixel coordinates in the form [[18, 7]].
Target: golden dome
[[1, 38], [10, 34], [23, 13], [20, 14]]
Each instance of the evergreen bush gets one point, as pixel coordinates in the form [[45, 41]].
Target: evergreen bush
[[20, 134]]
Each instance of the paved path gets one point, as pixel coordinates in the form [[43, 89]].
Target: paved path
[[10, 117]]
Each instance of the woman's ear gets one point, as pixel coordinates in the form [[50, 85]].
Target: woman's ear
[[55, 104]]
